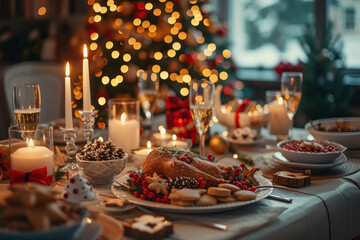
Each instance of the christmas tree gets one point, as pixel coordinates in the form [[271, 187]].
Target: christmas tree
[[180, 40], [324, 91]]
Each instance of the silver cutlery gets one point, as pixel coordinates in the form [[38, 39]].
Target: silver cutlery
[[272, 186], [278, 198], [218, 226]]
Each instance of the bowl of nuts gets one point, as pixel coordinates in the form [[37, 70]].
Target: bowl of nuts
[[101, 161], [314, 152]]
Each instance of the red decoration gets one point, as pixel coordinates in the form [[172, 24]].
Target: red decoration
[[191, 58], [287, 67], [179, 119], [222, 31], [38, 175], [239, 110]]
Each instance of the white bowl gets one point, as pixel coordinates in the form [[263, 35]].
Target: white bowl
[[309, 157], [65, 231], [348, 139], [102, 172]]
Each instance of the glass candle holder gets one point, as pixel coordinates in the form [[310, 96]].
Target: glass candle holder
[[30, 154], [140, 154], [124, 123], [279, 122]]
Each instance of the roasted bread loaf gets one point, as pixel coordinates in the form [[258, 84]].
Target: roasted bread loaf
[[165, 161]]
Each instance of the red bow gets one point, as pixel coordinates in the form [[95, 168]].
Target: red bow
[[174, 103], [239, 110], [38, 175]]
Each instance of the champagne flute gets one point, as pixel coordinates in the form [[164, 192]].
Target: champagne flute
[[148, 90], [291, 85], [201, 106], [27, 106]]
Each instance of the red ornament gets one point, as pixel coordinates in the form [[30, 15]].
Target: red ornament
[[222, 31]]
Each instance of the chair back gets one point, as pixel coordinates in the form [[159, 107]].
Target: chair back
[[50, 78]]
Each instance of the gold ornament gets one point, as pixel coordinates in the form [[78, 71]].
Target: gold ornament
[[219, 144]]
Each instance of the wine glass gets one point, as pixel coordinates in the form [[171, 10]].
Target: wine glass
[[201, 106], [27, 106], [148, 89], [291, 85]]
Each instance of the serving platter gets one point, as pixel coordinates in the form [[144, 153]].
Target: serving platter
[[260, 194]]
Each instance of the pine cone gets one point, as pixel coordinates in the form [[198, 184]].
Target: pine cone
[[182, 182]]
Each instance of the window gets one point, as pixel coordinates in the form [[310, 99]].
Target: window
[[349, 19]]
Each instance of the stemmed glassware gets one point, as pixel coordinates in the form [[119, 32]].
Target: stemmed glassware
[[148, 89], [201, 106], [27, 106], [291, 87]]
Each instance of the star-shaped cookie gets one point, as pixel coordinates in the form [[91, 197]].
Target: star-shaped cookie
[[157, 184]]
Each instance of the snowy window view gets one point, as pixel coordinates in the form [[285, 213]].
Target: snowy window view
[[264, 32]]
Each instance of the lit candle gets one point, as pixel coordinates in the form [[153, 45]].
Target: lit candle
[[161, 137], [177, 143], [125, 133], [86, 83], [68, 111], [141, 154], [279, 123], [32, 157]]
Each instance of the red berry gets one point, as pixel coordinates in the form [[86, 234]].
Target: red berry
[[182, 158], [131, 175], [186, 154], [244, 188], [237, 174], [157, 200], [135, 175], [145, 191], [144, 182], [247, 182], [252, 189], [242, 165], [203, 184], [200, 180], [142, 197], [151, 195], [133, 181], [161, 176], [238, 184], [187, 161], [136, 194]]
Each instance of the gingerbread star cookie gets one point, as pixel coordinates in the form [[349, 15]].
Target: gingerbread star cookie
[[157, 184], [249, 175]]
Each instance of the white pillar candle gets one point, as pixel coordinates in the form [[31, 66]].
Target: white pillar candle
[[141, 155], [279, 123], [86, 82], [33, 157], [68, 107], [161, 137], [177, 143], [125, 133]]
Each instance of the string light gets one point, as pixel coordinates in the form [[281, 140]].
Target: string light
[[115, 54], [94, 36], [102, 101], [184, 92], [109, 45], [105, 80]]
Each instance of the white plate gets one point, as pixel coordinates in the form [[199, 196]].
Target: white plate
[[279, 158], [260, 194], [258, 140]]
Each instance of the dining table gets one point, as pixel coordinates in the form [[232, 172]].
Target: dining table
[[328, 208]]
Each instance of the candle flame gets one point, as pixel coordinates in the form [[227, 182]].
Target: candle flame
[[100, 139], [123, 117], [31, 143], [174, 137], [67, 71], [148, 144], [163, 131], [280, 100], [235, 156], [85, 51]]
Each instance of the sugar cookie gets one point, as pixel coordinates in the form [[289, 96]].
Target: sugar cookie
[[219, 192], [230, 186], [206, 200], [244, 195], [227, 199], [182, 203], [185, 194]]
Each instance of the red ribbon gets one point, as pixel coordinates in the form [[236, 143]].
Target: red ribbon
[[174, 103], [38, 175], [239, 110]]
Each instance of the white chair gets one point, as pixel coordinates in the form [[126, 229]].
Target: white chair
[[50, 78]]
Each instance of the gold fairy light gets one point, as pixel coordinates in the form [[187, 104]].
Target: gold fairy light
[[192, 1], [152, 28], [168, 39], [148, 6], [93, 46], [105, 80], [124, 68], [118, 22], [152, 34], [171, 20], [184, 71], [113, 8], [157, 12], [201, 57], [132, 41], [97, 18], [137, 22], [206, 72], [169, 4], [164, 75], [137, 46], [178, 26], [156, 68], [175, 14], [174, 31], [126, 57], [115, 54], [119, 78], [91, 2], [198, 17], [171, 53], [91, 19], [97, 7], [189, 13], [176, 46], [212, 47], [146, 24], [140, 29], [200, 39], [94, 36], [207, 52], [184, 91], [114, 82], [98, 73], [207, 22], [223, 75], [213, 78], [129, 25], [226, 53], [194, 22], [173, 76], [182, 35], [158, 55], [109, 44], [187, 78], [102, 101], [195, 8], [103, 10], [168, 10], [138, 72]]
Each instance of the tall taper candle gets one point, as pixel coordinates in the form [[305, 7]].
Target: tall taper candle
[[68, 111], [86, 83]]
